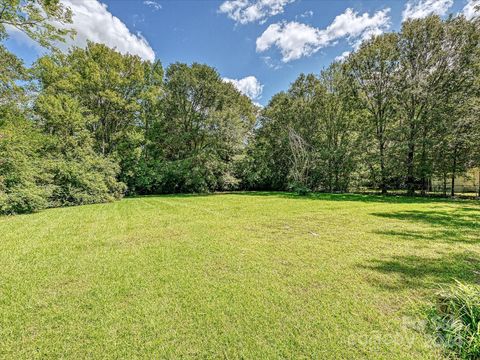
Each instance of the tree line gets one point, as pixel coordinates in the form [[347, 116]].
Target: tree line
[[400, 110], [90, 125]]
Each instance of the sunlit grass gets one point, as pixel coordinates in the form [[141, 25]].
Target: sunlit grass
[[257, 275]]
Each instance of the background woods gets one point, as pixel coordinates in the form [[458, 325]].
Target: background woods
[[91, 124]]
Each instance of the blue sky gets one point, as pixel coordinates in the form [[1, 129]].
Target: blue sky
[[267, 43]]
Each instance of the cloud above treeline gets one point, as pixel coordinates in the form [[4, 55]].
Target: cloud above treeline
[[92, 21], [416, 9], [472, 9], [153, 4], [295, 40], [247, 11], [249, 86], [292, 39]]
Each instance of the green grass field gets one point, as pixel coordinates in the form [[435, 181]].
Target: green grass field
[[257, 275]]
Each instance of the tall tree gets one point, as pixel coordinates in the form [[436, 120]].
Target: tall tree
[[293, 112], [118, 91], [338, 134], [206, 121], [318, 117], [108, 84], [373, 70], [419, 82], [436, 60]]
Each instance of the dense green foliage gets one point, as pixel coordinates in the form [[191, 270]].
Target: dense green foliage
[[308, 136], [91, 124], [397, 112], [455, 320], [20, 166], [194, 144]]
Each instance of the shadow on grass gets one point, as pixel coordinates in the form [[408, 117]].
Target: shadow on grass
[[418, 271], [454, 225], [450, 225], [358, 197], [367, 198]]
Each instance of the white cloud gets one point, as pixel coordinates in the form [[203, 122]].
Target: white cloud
[[472, 9], [308, 13], [153, 4], [343, 56], [271, 63], [246, 11], [249, 86], [416, 9], [92, 21], [295, 40]]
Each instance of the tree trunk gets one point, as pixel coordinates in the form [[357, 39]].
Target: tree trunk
[[479, 182], [383, 184], [423, 166], [330, 177], [337, 186], [410, 161], [452, 192], [410, 170], [454, 170], [445, 184]]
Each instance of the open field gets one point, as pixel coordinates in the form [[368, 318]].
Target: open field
[[259, 275]]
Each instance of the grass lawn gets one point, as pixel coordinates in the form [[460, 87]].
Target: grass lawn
[[258, 275]]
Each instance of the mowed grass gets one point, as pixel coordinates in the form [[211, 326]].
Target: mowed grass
[[258, 275]]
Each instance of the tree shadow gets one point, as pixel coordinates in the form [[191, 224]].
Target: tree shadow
[[355, 197], [367, 198], [417, 271], [452, 225]]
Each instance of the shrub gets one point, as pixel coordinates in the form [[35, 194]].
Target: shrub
[[229, 182], [300, 189], [199, 174], [92, 181], [21, 170], [455, 320], [21, 200]]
